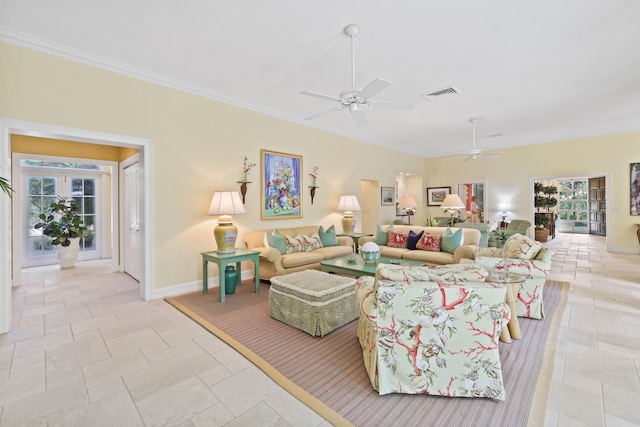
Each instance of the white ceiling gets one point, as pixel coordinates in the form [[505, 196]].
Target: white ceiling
[[542, 71]]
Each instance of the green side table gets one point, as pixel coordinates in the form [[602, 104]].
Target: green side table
[[222, 260], [355, 237]]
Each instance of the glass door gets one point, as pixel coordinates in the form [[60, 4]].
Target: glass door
[[43, 186], [573, 209]]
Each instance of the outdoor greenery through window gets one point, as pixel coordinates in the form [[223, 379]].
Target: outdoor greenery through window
[[63, 165], [573, 209]]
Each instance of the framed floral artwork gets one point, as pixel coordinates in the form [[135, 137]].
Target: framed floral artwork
[[635, 189], [436, 195], [281, 183]]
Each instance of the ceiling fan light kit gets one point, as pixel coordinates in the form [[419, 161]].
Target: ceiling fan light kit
[[354, 99]]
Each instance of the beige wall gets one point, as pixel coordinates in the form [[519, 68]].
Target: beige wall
[[198, 146], [509, 178]]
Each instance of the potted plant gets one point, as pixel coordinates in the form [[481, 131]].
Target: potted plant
[[541, 231], [4, 186], [544, 199], [62, 222]]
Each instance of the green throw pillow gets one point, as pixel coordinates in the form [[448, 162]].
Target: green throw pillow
[[328, 238], [451, 241], [382, 238], [276, 240]]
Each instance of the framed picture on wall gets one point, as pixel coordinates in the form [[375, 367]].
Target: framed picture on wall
[[635, 188], [281, 183], [386, 196], [436, 195]]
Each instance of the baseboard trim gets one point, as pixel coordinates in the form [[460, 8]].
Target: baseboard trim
[[184, 288]]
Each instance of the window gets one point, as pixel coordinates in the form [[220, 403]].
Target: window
[[573, 207]]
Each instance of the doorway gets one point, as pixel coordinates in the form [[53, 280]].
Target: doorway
[[10, 265]]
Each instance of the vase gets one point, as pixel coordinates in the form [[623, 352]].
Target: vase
[[245, 177], [67, 255]]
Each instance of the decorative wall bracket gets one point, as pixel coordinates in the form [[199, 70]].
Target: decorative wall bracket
[[243, 188], [313, 192]]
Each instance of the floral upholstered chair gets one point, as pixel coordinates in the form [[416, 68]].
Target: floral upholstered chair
[[432, 331], [528, 258]]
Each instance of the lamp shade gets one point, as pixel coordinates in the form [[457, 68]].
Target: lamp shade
[[452, 201], [504, 207], [407, 202], [226, 203], [348, 203]]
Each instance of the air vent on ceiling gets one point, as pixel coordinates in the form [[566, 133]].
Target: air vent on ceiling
[[432, 96]]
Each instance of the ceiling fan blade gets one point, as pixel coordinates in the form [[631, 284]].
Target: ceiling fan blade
[[374, 87], [456, 157], [492, 155], [468, 158], [392, 105], [323, 113], [321, 96], [359, 117]]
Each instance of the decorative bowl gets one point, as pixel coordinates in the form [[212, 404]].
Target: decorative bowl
[[370, 252]]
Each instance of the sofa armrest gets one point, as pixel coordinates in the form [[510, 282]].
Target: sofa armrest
[[270, 254], [489, 252], [464, 251], [365, 239], [524, 267], [345, 241]]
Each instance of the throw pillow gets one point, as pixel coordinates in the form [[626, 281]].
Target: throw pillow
[[311, 242], [429, 242], [397, 240], [328, 237], [276, 240], [521, 247], [451, 241], [413, 239], [294, 244], [381, 235]]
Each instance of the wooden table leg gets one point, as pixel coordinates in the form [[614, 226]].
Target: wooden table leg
[[514, 326]]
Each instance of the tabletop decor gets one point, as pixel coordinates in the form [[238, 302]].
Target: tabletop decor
[[246, 168], [281, 178], [225, 204]]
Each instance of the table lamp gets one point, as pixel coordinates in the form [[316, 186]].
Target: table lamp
[[226, 203], [409, 204], [348, 204], [504, 208], [452, 203]]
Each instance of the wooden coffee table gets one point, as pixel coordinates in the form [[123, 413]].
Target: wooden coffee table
[[358, 267]]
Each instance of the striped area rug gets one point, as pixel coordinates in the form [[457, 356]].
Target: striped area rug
[[328, 374]]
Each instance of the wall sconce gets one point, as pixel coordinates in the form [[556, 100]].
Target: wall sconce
[[452, 204], [409, 204], [348, 204], [226, 203]]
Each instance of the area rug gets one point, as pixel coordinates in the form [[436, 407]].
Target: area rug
[[328, 375]]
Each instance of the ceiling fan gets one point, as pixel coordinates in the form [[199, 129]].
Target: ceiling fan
[[354, 99], [475, 153]]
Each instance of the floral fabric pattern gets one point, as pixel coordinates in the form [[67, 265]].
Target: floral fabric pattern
[[521, 247], [432, 337], [294, 244], [429, 242], [397, 240], [311, 242]]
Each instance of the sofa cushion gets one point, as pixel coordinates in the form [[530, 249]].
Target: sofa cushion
[[311, 242], [276, 240], [452, 240], [429, 242], [393, 252], [294, 243], [297, 259], [521, 247], [328, 237], [429, 257], [331, 252], [545, 255], [381, 235], [397, 240], [413, 239]]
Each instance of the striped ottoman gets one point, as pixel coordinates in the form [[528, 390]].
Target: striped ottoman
[[313, 301]]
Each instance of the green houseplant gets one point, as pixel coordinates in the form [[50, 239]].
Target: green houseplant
[[63, 223], [544, 199], [4, 186]]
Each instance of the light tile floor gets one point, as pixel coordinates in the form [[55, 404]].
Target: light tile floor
[[85, 350]]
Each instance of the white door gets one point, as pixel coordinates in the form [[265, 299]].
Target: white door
[[132, 244]]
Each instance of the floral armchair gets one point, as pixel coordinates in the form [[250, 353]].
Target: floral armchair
[[528, 258], [432, 331]]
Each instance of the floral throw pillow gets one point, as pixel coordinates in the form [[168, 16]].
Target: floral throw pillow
[[429, 242], [311, 242], [521, 247], [397, 240], [294, 244]]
